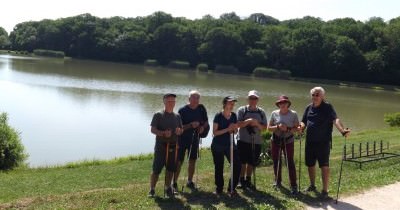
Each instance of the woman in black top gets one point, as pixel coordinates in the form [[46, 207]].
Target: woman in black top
[[225, 123]]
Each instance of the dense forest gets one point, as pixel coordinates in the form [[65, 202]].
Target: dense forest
[[340, 49]]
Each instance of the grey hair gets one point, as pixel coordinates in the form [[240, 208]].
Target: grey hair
[[194, 92], [317, 89]]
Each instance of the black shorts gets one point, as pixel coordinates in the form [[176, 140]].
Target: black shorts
[[162, 158], [317, 151], [246, 153], [186, 149]]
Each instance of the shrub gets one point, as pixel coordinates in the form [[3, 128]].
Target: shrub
[[266, 72], [202, 67], [393, 119], [285, 74], [226, 69], [151, 62], [12, 152], [179, 64], [49, 53]]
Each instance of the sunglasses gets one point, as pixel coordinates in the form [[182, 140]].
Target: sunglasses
[[315, 95], [253, 98]]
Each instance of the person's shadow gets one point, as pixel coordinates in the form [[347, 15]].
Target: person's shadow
[[315, 202]]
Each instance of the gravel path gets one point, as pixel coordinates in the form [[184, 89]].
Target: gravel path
[[387, 197]]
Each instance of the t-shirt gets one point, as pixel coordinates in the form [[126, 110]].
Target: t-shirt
[[289, 119], [189, 115], [319, 122], [223, 141], [259, 115], [162, 121]]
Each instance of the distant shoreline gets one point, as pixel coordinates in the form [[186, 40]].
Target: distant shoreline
[[372, 86]]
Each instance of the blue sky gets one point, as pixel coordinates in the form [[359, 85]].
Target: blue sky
[[16, 11]]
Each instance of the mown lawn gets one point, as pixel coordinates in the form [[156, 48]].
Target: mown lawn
[[123, 183]]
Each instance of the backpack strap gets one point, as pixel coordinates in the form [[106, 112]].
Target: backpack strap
[[246, 110]]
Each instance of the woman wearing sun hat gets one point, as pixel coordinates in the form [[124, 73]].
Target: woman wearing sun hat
[[283, 123]]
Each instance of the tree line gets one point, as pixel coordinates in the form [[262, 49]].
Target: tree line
[[340, 49]]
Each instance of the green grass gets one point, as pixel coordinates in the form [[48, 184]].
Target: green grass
[[123, 183]]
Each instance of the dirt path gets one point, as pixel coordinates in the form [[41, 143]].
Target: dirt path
[[387, 197]]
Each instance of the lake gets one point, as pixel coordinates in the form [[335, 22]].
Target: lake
[[71, 110]]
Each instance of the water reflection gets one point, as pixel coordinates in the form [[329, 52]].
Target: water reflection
[[72, 109]]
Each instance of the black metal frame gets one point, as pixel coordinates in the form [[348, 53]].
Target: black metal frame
[[369, 154]]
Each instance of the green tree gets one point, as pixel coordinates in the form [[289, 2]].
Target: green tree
[[222, 47], [4, 40]]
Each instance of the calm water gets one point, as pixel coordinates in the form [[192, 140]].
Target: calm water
[[69, 110]]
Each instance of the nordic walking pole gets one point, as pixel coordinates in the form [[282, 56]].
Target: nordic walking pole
[[231, 158], [301, 136], [188, 159], [277, 168], [341, 166], [166, 167], [254, 160], [198, 157]]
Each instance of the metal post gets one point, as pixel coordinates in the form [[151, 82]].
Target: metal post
[[360, 149], [367, 148], [352, 151], [381, 148], [374, 147]]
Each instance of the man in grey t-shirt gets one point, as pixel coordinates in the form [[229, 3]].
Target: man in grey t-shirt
[[252, 120], [167, 126]]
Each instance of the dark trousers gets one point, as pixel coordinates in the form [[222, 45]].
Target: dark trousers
[[276, 147], [218, 157]]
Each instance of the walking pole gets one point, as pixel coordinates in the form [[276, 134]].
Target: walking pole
[[198, 157], [278, 166], [231, 158], [254, 160], [341, 168], [188, 158], [166, 167], [301, 136]]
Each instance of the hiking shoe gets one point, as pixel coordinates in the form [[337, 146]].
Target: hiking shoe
[[233, 193], [251, 186], [175, 188], [217, 192], [169, 192], [293, 190], [191, 185], [277, 185], [151, 194], [324, 196], [311, 188]]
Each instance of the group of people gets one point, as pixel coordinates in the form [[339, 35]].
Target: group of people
[[178, 136]]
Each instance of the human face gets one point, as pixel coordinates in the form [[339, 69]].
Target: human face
[[253, 101], [169, 103], [283, 106], [229, 106], [317, 98], [194, 100]]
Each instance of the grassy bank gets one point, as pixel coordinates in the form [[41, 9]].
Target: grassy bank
[[123, 183]]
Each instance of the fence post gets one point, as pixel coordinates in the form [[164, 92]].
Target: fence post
[[352, 151], [374, 147], [367, 148]]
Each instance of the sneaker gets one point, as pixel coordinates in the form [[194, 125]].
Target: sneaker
[[242, 183], [217, 192], [277, 185], [293, 190], [311, 188], [251, 186], [175, 188], [233, 193], [191, 185], [169, 192], [324, 196], [151, 194]]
